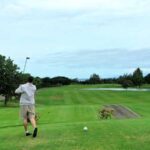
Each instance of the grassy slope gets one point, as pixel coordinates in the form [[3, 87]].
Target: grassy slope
[[65, 111]]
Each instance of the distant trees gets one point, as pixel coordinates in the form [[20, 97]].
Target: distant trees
[[126, 80], [60, 80], [94, 79], [55, 81], [109, 80], [135, 79], [138, 79], [147, 78], [126, 83], [38, 82], [45, 82], [9, 77]]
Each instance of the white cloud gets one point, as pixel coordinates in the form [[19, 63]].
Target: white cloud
[[85, 62], [71, 4], [78, 4], [13, 8], [116, 58], [123, 6]]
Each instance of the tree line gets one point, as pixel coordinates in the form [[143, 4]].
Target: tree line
[[11, 77]]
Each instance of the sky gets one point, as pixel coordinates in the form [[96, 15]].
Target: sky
[[76, 38]]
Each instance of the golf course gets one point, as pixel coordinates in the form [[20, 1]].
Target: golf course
[[64, 112]]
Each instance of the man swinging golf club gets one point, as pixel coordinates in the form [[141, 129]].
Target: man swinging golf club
[[27, 102]]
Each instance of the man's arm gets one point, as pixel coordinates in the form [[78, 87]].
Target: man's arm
[[19, 90]]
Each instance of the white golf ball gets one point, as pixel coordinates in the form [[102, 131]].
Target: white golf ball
[[85, 128]]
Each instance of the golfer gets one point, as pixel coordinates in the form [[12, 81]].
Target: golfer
[[27, 102]]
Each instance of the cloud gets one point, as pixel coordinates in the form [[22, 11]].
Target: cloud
[[71, 4], [83, 12], [111, 58], [106, 63], [103, 6], [84, 4]]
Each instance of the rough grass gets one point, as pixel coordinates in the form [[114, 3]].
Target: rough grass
[[66, 110]]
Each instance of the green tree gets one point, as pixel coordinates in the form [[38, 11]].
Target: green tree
[[24, 77], [46, 82], [94, 79], [8, 77], [126, 83], [138, 77], [125, 80], [38, 82], [147, 78], [60, 80]]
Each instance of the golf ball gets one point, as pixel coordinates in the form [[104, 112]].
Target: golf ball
[[85, 128]]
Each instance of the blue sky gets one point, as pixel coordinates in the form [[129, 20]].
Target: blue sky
[[76, 38]]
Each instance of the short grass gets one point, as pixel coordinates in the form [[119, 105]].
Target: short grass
[[64, 111]]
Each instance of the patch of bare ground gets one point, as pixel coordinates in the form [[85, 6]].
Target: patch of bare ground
[[56, 97], [122, 112]]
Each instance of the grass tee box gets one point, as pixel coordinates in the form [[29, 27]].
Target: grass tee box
[[65, 111]]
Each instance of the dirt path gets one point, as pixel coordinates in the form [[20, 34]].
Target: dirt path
[[122, 112]]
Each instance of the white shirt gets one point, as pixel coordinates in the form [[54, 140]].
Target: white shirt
[[27, 93]]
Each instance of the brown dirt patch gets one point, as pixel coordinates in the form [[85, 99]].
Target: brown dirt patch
[[56, 97], [122, 112]]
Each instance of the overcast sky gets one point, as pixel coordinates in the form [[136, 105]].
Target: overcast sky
[[76, 38]]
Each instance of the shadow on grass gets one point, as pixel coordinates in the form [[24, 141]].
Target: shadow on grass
[[18, 125], [10, 126]]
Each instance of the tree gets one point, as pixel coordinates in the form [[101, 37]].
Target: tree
[[109, 80], [126, 83], [38, 82], [94, 79], [147, 78], [45, 82], [8, 77], [138, 77], [125, 80], [60, 80], [125, 77]]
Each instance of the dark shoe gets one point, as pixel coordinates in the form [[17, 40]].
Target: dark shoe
[[35, 132], [28, 134]]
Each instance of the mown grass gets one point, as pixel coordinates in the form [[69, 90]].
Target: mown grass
[[64, 111]]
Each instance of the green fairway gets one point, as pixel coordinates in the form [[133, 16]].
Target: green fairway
[[64, 111]]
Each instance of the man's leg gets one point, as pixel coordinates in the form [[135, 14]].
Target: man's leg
[[32, 119], [25, 123], [23, 115], [33, 122]]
